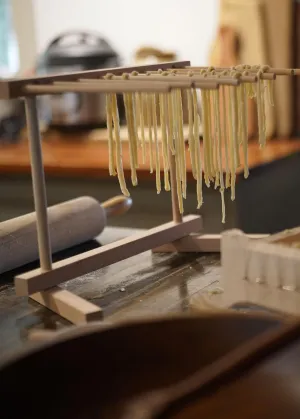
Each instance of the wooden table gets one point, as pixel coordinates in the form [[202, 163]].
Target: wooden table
[[143, 285], [76, 165], [77, 155]]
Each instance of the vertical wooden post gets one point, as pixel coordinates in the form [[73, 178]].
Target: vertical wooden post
[[38, 183], [177, 217]]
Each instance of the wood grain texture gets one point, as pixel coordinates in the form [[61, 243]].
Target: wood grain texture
[[38, 280]]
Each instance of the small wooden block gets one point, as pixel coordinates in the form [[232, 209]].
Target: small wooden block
[[198, 243], [69, 306], [38, 280]]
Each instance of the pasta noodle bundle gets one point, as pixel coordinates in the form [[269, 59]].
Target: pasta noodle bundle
[[224, 119]]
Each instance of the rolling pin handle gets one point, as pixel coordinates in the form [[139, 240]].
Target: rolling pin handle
[[117, 205]]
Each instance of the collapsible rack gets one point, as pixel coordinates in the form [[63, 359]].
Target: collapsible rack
[[180, 234], [42, 284]]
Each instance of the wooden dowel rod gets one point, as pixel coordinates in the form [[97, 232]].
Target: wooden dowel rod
[[176, 78], [90, 88], [185, 84], [38, 182], [267, 75], [250, 78], [177, 217], [206, 86], [281, 71], [116, 82]]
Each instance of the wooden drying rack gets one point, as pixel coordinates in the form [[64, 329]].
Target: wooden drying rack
[[179, 234]]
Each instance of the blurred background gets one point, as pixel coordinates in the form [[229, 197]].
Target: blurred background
[[44, 37]]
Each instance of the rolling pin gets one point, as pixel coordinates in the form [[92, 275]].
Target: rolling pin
[[70, 223]]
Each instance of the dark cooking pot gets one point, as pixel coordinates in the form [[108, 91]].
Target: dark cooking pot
[[71, 52], [94, 371]]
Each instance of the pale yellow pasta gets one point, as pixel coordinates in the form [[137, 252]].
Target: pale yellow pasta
[[240, 100], [140, 106], [226, 137], [119, 165], [234, 118], [205, 111], [130, 139], [232, 145], [245, 130], [171, 129], [211, 167], [223, 205], [157, 157], [260, 111], [149, 120], [230, 132], [215, 137], [133, 122], [181, 143], [111, 149], [191, 132], [270, 89], [219, 151], [165, 151], [197, 149]]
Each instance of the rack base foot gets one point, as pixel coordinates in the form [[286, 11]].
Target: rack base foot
[[68, 305]]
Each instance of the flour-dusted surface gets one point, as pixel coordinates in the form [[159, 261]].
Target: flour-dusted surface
[[143, 285]]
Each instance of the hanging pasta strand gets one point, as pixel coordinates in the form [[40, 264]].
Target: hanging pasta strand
[[171, 127], [177, 150], [133, 122], [131, 139], [149, 120], [140, 106], [165, 151], [260, 110], [234, 121], [191, 117], [226, 137], [119, 165], [219, 152], [181, 142], [270, 90], [111, 149], [215, 96], [205, 111], [157, 157], [211, 167], [245, 129], [196, 137], [240, 102], [232, 145]]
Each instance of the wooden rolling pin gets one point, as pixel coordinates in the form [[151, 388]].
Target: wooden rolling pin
[[70, 223]]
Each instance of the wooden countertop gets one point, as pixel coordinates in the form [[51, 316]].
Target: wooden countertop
[[77, 155]]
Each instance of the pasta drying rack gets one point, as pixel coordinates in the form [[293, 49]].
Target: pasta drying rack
[[180, 234]]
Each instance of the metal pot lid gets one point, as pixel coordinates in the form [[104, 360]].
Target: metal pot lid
[[77, 48]]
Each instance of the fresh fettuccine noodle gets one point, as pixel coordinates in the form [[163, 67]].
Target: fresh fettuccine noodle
[[218, 159]]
